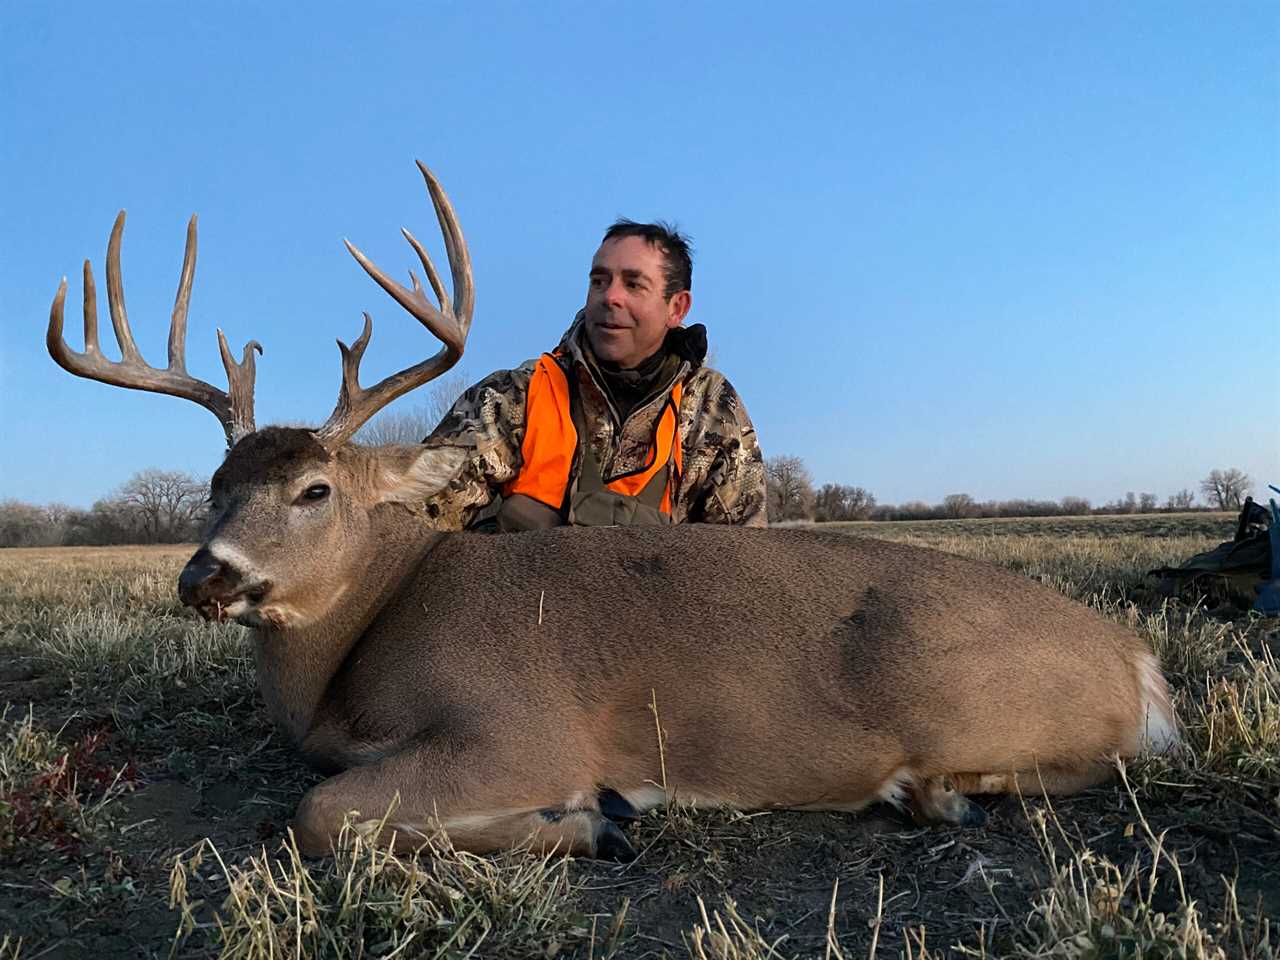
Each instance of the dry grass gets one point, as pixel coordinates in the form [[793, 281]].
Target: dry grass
[[368, 901], [114, 685]]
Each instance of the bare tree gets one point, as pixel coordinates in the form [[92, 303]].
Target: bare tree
[[1184, 499], [838, 501], [416, 423], [109, 521], [959, 505], [1146, 502], [166, 503], [1126, 504], [25, 525], [1075, 506], [1226, 489], [790, 489]]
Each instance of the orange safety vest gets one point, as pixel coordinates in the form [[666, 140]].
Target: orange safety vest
[[550, 441]]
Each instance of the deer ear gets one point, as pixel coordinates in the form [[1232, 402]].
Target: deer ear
[[417, 472]]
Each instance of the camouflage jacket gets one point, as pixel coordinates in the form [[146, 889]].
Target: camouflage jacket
[[723, 475]]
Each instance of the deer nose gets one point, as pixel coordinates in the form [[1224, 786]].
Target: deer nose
[[203, 578]]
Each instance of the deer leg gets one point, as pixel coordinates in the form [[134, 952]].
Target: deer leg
[[939, 800], [469, 796], [1060, 781], [942, 799]]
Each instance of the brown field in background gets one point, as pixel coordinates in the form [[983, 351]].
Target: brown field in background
[[21, 554], [144, 804]]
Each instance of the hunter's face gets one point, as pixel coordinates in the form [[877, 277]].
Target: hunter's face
[[627, 315]]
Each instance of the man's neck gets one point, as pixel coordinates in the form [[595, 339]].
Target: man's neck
[[629, 387]]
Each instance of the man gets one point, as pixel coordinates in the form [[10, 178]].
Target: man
[[622, 423]]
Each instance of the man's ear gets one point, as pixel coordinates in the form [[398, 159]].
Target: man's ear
[[678, 308], [412, 474]]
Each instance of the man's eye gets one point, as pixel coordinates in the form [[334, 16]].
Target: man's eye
[[317, 491]]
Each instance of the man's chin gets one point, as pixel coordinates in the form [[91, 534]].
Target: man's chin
[[609, 344]]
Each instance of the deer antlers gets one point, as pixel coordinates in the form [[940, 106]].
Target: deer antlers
[[234, 410], [450, 323]]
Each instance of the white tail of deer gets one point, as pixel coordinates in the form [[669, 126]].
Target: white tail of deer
[[507, 686]]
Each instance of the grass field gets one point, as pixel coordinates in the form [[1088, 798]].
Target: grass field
[[144, 800]]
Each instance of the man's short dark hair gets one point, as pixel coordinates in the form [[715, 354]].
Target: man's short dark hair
[[674, 245]]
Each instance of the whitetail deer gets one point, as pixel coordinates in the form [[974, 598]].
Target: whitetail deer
[[509, 687]]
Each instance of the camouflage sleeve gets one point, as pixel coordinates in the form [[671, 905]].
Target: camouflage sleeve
[[732, 490], [488, 420]]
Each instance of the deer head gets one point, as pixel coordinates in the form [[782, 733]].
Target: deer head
[[291, 509]]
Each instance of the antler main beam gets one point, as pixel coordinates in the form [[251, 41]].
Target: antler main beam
[[450, 323], [234, 410]]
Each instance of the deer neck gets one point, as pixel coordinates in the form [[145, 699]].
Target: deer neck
[[296, 665]]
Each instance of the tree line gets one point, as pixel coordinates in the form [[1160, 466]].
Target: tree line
[[168, 506], [153, 506], [794, 497]]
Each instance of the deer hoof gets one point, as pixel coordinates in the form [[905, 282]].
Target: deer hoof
[[972, 815], [612, 843], [616, 807]]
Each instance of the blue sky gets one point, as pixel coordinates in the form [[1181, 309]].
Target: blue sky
[[999, 248]]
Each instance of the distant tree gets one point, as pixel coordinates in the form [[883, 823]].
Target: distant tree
[[1146, 502], [1126, 504], [415, 424], [1226, 489], [1075, 506], [166, 503], [1184, 499], [916, 510], [838, 501], [956, 506], [25, 525], [790, 489], [110, 521]]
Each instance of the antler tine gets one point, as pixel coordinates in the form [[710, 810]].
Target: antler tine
[[356, 404], [90, 311], [464, 296], [115, 295], [240, 381], [450, 324], [437, 321], [351, 357], [181, 303], [432, 275], [234, 411]]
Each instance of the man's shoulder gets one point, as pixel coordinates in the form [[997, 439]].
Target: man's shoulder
[[712, 406], [709, 387], [507, 379]]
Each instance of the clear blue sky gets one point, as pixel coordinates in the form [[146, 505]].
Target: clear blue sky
[[1006, 249]]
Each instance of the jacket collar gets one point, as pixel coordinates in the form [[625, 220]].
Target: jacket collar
[[690, 342]]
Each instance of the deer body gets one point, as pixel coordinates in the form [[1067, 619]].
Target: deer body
[[788, 669], [530, 687]]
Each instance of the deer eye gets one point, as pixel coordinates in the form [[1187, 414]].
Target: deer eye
[[317, 491]]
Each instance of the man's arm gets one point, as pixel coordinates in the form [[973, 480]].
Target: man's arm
[[488, 421], [732, 491]]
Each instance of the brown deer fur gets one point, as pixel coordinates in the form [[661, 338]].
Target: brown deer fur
[[498, 683]]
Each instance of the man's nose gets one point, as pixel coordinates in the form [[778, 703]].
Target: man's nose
[[205, 576], [615, 295]]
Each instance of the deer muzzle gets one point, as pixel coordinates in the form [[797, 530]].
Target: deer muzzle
[[214, 588]]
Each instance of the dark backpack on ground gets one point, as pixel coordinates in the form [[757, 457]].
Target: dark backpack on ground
[[1241, 571]]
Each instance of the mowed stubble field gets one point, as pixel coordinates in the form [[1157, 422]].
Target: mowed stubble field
[[144, 802]]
